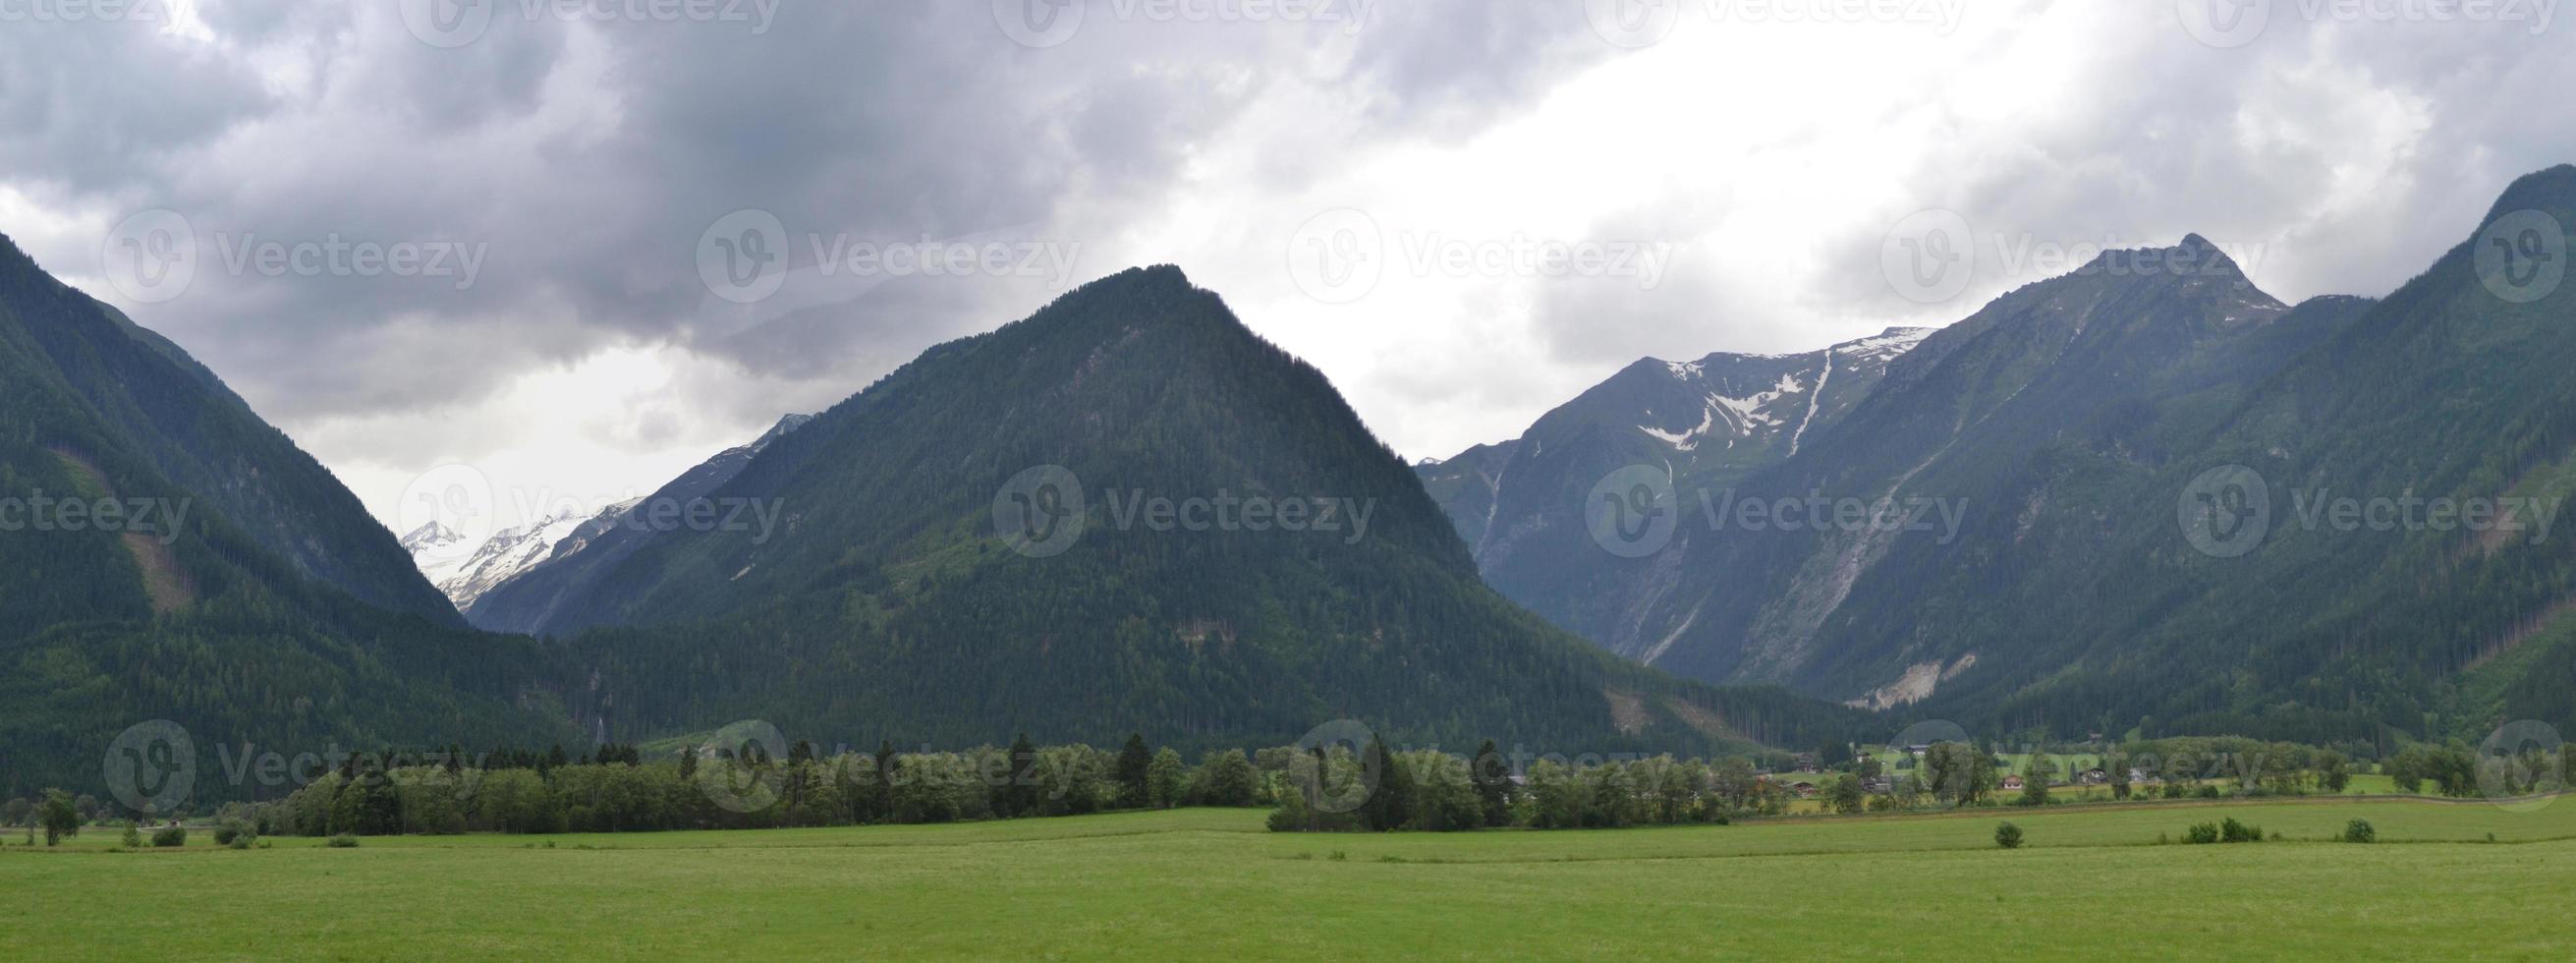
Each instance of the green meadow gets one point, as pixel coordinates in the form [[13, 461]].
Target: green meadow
[[2464, 880]]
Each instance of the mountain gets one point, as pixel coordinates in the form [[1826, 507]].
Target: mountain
[[1126, 511], [234, 587], [2105, 367], [465, 572], [2072, 454], [1705, 424], [525, 595]]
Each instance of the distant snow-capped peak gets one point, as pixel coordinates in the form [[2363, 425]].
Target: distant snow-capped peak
[[507, 553], [1742, 395], [465, 576]]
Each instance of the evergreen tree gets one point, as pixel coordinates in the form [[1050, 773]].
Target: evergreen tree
[[1493, 779], [1133, 762], [885, 763], [1018, 795], [1391, 805]]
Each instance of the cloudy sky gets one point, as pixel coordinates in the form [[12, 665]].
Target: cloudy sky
[[577, 247]]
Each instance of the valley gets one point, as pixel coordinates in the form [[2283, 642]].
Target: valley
[[1210, 882]]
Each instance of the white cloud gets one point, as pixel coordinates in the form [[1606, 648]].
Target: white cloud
[[1761, 163]]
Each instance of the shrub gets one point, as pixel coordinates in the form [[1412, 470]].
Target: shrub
[[2232, 831], [170, 835], [133, 837], [242, 841], [229, 830], [343, 841], [2208, 792], [2008, 836], [2202, 833]]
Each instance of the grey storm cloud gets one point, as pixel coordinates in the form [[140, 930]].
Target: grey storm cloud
[[2253, 146], [582, 154]]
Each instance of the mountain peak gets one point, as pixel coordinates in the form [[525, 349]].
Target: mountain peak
[[780, 430], [430, 534], [2192, 257], [2551, 189]]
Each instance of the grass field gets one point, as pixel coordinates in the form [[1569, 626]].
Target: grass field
[[1211, 883]]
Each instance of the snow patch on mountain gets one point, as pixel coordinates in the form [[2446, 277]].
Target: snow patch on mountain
[[1688, 440], [438, 551], [507, 555], [1745, 417], [1748, 410], [1885, 346], [465, 577]]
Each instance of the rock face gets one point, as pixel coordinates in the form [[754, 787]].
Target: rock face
[[1520, 506], [2060, 561]]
